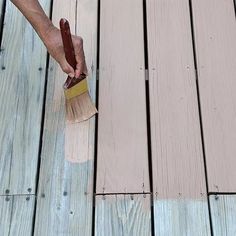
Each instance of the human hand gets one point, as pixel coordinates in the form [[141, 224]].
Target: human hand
[[54, 45]]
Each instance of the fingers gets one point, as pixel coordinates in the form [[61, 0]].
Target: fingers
[[80, 58], [65, 66], [81, 68]]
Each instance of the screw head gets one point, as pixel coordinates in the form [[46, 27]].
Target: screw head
[[7, 199]]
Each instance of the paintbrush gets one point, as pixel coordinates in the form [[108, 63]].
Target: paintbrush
[[79, 105]]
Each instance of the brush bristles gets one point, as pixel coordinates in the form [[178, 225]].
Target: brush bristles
[[80, 108]]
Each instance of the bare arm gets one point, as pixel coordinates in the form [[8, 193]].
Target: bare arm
[[51, 36]]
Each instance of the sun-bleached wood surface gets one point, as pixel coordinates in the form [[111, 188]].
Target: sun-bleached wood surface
[[223, 214], [122, 161], [215, 31], [123, 215], [22, 62], [16, 215], [65, 201], [181, 217], [65, 193]]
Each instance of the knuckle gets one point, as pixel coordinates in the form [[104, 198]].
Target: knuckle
[[65, 68], [80, 40]]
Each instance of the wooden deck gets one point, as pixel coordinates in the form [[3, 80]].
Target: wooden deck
[[158, 159]]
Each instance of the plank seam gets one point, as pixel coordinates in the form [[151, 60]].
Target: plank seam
[[148, 114], [234, 4], [96, 121], [42, 128], [199, 108], [221, 193], [134, 193], [3, 11]]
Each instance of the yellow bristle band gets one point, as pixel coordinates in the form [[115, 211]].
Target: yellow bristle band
[[76, 90]]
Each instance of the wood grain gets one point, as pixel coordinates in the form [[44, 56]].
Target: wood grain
[[123, 215], [16, 215], [223, 214], [178, 168], [180, 205], [215, 34], [122, 162], [22, 73], [181, 217], [65, 194]]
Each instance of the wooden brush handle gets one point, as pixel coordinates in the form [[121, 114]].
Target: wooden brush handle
[[69, 52], [67, 43]]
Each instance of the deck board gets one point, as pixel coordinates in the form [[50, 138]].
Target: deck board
[[223, 213], [65, 191], [16, 215], [22, 62], [183, 217], [122, 132], [65, 195], [215, 34], [180, 206], [123, 215]]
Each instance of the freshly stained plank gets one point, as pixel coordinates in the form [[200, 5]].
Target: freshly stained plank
[[177, 158], [215, 34], [176, 139], [65, 191], [16, 215], [122, 164], [22, 62], [123, 215], [223, 214]]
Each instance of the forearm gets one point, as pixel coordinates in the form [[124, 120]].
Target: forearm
[[34, 13], [51, 36]]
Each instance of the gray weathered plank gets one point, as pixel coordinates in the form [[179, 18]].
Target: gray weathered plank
[[215, 31], [22, 61], [124, 215], [180, 204], [175, 217], [223, 214], [1, 13], [122, 134], [16, 215], [64, 206], [1, 4]]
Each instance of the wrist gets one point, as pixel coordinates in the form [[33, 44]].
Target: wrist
[[45, 32]]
